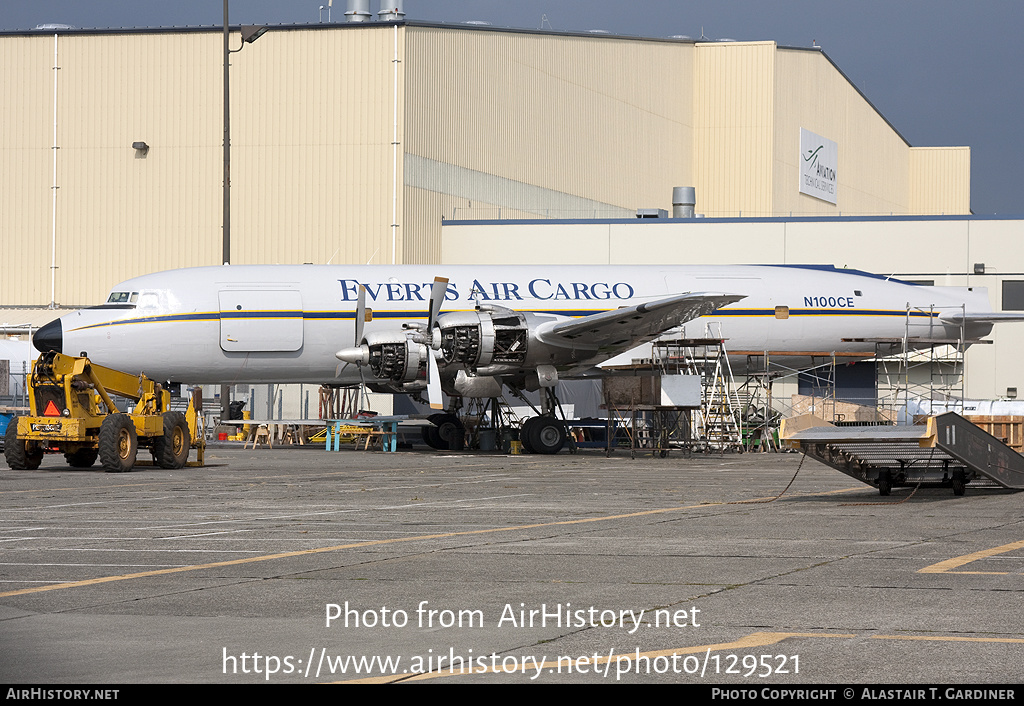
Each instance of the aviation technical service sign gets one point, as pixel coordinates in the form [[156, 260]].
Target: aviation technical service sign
[[819, 163]]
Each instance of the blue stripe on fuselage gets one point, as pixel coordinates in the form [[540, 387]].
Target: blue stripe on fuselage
[[349, 315]]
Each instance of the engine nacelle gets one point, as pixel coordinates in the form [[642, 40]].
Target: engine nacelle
[[488, 336]]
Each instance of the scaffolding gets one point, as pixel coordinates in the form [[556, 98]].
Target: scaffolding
[[763, 411], [914, 368], [340, 402], [490, 418], [717, 424]]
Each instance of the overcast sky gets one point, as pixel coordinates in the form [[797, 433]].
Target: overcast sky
[[944, 72]]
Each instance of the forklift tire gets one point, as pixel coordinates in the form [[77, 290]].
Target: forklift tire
[[118, 443], [171, 449], [83, 458], [16, 452]]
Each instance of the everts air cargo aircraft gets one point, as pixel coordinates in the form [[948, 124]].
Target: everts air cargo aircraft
[[470, 330]]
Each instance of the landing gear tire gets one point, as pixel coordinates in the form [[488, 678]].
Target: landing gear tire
[[959, 482], [547, 435], [118, 443], [884, 483], [451, 433], [432, 439], [171, 449], [82, 458], [525, 432], [17, 452]]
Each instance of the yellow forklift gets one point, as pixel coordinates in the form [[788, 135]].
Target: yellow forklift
[[72, 412]]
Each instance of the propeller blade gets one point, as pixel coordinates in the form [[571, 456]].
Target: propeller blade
[[433, 382], [437, 292], [361, 317]]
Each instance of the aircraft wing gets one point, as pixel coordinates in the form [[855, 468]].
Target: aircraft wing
[[621, 329]]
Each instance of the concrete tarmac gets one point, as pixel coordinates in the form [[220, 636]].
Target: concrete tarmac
[[300, 566]]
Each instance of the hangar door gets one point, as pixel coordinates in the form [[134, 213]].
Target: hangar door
[[260, 320]]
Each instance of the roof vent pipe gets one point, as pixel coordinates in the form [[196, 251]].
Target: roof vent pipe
[[391, 11], [358, 11], [684, 200]]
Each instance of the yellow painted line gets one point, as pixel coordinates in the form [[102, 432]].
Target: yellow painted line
[[146, 483], [357, 545], [338, 547], [945, 567], [951, 638], [757, 639]]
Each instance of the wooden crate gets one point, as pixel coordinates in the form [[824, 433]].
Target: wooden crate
[[1008, 429]]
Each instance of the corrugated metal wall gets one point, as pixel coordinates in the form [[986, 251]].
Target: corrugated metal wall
[[311, 146], [734, 116], [570, 127], [26, 166], [121, 212], [873, 173], [490, 123], [940, 180], [311, 154]]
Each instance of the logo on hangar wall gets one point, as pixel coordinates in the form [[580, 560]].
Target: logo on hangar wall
[[819, 162]]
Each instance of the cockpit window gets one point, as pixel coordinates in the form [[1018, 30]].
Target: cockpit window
[[122, 297]]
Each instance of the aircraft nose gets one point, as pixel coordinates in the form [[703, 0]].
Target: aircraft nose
[[49, 337]]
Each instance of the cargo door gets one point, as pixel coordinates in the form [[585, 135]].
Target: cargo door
[[260, 320]]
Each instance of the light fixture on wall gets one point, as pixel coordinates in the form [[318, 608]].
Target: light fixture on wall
[[979, 268], [141, 147], [250, 33], [1011, 393]]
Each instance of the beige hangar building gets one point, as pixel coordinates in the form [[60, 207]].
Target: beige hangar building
[[367, 142]]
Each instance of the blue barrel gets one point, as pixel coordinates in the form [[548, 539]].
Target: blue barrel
[[488, 439]]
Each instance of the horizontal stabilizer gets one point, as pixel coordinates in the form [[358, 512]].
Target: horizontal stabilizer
[[981, 317]]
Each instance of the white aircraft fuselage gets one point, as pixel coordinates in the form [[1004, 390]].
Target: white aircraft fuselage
[[285, 323]]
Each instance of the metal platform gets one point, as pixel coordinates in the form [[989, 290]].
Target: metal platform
[[948, 450]]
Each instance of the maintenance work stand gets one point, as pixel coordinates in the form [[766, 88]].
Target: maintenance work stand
[[947, 450]]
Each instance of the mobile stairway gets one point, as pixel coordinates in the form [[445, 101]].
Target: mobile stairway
[[948, 451]]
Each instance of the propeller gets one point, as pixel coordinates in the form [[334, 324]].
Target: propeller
[[355, 354], [418, 334]]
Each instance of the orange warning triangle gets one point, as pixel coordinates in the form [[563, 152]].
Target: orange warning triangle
[[51, 410]]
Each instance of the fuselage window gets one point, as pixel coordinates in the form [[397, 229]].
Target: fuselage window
[[782, 312]]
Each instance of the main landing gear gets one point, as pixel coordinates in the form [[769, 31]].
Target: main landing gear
[[543, 435], [448, 433]]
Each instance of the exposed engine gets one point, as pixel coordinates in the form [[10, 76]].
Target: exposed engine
[[490, 341], [490, 336], [394, 356]]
